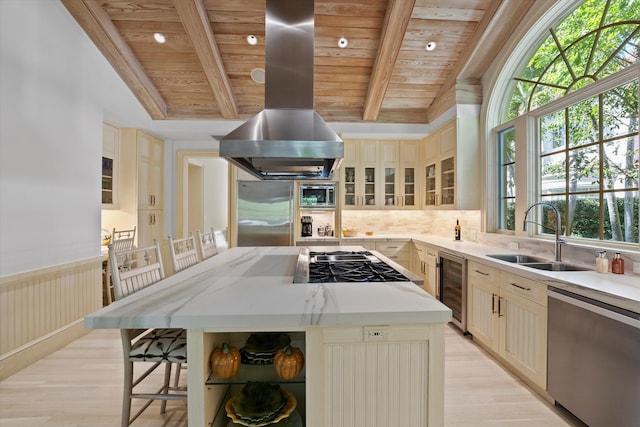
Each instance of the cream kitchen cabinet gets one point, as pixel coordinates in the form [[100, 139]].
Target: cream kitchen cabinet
[[142, 183], [383, 379], [508, 314], [150, 155], [365, 243], [451, 166], [380, 174], [359, 174], [150, 226], [426, 258], [398, 251]]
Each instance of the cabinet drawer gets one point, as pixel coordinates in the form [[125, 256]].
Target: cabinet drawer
[[526, 288], [398, 251], [482, 272]]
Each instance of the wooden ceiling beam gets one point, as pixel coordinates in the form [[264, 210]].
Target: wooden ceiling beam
[[196, 23], [393, 30], [101, 30]]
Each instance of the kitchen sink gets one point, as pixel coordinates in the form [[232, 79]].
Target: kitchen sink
[[554, 266], [517, 258]]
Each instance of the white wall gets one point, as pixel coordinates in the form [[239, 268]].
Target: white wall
[[54, 88], [216, 193]]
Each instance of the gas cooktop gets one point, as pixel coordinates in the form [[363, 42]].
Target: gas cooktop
[[347, 266]]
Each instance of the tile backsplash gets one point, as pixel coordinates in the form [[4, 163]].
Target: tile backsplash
[[440, 223]]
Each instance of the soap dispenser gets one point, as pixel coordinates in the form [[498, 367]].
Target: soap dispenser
[[602, 262], [617, 264]]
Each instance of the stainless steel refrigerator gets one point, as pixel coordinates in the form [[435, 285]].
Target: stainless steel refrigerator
[[265, 213]]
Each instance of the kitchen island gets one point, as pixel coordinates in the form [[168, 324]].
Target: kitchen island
[[374, 352]]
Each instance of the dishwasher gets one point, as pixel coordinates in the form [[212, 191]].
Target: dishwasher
[[593, 359]]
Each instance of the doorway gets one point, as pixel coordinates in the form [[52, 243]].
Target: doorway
[[202, 192]]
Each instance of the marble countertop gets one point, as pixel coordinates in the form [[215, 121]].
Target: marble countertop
[[251, 289], [619, 290]]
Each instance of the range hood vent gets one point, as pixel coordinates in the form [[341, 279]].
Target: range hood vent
[[288, 139]]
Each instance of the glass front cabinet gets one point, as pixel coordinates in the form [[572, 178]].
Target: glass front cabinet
[[359, 174], [450, 166], [110, 164], [380, 174]]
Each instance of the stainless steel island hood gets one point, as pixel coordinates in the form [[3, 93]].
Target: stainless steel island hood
[[288, 139]]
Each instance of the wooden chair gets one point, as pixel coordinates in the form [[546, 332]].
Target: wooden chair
[[134, 270], [183, 252], [121, 240], [207, 244]]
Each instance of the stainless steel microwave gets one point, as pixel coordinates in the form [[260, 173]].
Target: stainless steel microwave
[[316, 196]]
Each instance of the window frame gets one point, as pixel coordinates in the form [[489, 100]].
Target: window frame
[[501, 214], [532, 192]]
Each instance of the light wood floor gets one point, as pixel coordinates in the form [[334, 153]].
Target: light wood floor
[[80, 386]]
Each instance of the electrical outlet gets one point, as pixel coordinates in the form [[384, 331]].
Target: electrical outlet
[[636, 267], [514, 246], [375, 333]]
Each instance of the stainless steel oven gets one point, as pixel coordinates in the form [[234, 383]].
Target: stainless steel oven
[[452, 286]]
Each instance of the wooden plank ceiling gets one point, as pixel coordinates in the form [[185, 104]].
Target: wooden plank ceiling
[[385, 74]]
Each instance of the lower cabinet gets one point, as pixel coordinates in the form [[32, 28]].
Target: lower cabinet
[[396, 250], [425, 264], [508, 314], [387, 381]]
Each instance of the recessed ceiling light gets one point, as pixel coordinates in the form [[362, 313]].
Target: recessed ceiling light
[[430, 46], [257, 74], [343, 42], [160, 38], [252, 40]]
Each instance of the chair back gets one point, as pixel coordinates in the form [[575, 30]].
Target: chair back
[[183, 252], [135, 269], [207, 244], [122, 240]]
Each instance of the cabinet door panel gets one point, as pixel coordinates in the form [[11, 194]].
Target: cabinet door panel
[[523, 336], [150, 226], [483, 321], [380, 384], [150, 171]]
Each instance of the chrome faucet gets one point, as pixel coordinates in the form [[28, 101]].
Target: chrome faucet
[[559, 241]]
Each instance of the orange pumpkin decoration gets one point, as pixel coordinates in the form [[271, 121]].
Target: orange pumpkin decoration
[[225, 361], [288, 362]]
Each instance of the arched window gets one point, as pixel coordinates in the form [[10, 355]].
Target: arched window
[[574, 107], [598, 39]]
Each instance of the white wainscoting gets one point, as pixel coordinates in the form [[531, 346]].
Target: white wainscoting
[[42, 310]]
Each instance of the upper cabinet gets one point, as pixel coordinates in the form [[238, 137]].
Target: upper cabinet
[[110, 166], [359, 174], [380, 174], [451, 166]]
